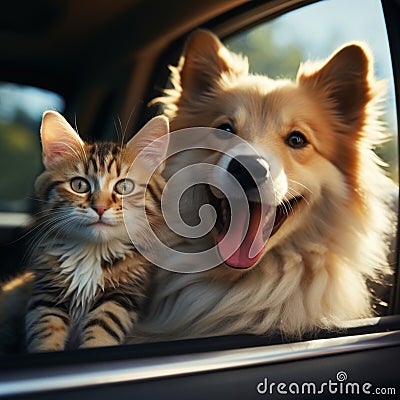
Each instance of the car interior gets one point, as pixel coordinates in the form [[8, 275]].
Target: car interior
[[100, 63]]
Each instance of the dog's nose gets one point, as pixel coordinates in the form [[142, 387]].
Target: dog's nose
[[249, 171]]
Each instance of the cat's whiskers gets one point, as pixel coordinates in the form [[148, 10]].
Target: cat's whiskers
[[83, 152], [39, 200], [31, 228], [123, 131], [40, 239], [46, 211], [73, 151], [117, 129], [46, 228]]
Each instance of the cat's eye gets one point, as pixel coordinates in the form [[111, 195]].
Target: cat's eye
[[124, 186], [221, 130], [80, 185], [296, 140]]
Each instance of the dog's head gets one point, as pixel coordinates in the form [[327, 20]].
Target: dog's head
[[312, 137]]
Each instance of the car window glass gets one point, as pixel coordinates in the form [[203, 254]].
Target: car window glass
[[21, 109], [276, 48]]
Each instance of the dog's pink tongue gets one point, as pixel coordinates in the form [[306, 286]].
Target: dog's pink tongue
[[241, 252]]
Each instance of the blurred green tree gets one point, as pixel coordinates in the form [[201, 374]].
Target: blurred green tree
[[20, 162], [265, 56]]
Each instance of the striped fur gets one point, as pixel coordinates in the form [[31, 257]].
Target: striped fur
[[91, 283]]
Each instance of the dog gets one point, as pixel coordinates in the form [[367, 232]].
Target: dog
[[314, 138]]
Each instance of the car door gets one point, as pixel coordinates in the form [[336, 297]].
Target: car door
[[360, 360]]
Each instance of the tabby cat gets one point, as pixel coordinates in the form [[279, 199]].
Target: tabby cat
[[91, 283]]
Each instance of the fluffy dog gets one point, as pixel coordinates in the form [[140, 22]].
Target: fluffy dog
[[315, 137]]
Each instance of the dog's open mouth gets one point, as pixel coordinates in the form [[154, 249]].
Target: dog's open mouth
[[241, 240]]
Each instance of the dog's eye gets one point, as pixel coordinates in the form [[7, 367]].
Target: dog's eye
[[226, 127], [296, 140], [220, 131]]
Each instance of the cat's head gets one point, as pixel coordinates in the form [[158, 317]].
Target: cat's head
[[86, 188]]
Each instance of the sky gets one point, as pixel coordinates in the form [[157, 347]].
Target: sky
[[324, 26]]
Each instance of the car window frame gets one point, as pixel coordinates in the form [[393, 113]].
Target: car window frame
[[391, 9], [372, 333]]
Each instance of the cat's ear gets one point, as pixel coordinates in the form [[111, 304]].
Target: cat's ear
[[151, 142], [58, 138]]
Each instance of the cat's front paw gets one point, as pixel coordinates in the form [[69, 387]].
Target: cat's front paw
[[48, 334], [44, 346], [98, 342]]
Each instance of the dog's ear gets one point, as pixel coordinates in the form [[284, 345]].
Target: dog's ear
[[344, 82], [204, 60]]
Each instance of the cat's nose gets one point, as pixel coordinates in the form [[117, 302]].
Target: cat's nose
[[100, 209]]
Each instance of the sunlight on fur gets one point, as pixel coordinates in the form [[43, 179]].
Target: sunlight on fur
[[337, 203]]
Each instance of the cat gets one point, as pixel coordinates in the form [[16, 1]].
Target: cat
[[90, 281]]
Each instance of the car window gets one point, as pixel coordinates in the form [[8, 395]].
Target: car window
[[277, 48], [21, 109]]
